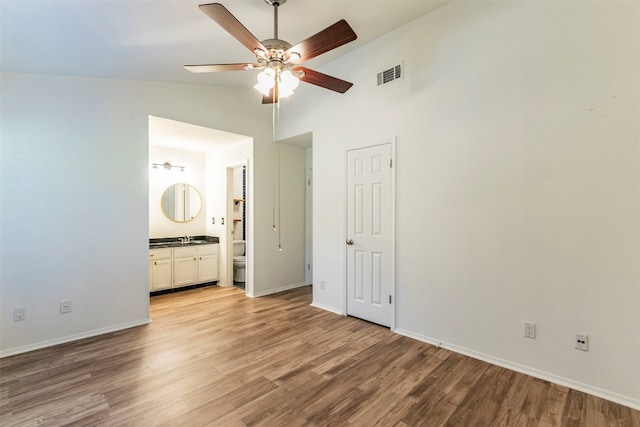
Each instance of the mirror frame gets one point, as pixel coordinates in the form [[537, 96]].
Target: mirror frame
[[171, 187]]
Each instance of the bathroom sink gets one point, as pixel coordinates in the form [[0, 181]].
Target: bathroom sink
[[163, 245], [170, 243], [176, 244]]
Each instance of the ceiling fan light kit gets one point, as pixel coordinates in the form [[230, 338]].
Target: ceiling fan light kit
[[278, 59]]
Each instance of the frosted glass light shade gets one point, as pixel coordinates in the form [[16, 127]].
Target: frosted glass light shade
[[288, 83], [266, 81]]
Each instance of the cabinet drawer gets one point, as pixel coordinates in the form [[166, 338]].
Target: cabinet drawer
[[155, 254], [185, 252], [208, 250]]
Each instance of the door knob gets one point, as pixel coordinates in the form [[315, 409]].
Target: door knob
[[349, 242]]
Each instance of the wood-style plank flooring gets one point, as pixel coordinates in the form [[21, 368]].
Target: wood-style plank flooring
[[213, 357]]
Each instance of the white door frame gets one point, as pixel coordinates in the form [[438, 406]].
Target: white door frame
[[356, 146], [308, 225], [248, 285]]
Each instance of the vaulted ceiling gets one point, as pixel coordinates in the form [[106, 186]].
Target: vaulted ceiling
[[152, 39]]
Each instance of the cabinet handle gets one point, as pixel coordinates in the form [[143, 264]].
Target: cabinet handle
[[194, 258], [151, 255], [155, 263]]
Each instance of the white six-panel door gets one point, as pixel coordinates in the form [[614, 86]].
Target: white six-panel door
[[369, 234]]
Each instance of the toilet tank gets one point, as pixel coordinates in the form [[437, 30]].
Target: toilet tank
[[238, 247]]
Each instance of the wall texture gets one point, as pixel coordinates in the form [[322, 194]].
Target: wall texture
[[517, 191], [74, 209]]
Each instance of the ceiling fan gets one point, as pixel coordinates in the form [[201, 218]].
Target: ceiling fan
[[279, 60]]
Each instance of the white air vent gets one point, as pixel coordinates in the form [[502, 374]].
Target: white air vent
[[389, 75]]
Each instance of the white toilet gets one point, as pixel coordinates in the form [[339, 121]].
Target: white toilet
[[239, 261]]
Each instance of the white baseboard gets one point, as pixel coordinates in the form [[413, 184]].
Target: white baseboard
[[327, 308], [70, 338], [276, 290], [566, 382]]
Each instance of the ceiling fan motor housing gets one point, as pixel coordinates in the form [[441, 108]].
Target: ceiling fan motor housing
[[277, 51], [276, 45], [275, 2]]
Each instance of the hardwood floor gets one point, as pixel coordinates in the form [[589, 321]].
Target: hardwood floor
[[213, 357]]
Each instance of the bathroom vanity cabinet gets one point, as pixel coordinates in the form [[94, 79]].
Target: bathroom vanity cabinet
[[195, 264], [189, 265], [160, 269]]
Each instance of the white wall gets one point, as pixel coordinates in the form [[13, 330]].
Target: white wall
[[276, 270], [292, 214], [74, 218], [160, 179], [518, 171]]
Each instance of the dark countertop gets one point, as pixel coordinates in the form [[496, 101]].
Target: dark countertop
[[175, 242]]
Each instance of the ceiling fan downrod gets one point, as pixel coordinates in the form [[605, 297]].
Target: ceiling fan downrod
[[275, 4]]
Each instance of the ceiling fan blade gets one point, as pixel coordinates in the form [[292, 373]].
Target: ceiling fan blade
[[212, 68], [226, 20], [324, 80], [330, 38]]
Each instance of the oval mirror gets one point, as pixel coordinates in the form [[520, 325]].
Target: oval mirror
[[181, 202]]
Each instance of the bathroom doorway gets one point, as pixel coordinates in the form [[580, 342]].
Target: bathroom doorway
[[203, 156], [238, 226]]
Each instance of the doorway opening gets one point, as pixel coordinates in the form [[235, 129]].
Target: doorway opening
[[201, 157], [238, 200]]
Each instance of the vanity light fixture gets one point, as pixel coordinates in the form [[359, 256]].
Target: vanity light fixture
[[168, 166]]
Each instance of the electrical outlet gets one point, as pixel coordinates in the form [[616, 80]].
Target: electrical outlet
[[321, 284], [582, 342], [65, 306], [530, 330], [19, 313]]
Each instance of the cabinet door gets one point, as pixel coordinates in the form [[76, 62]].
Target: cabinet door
[[160, 274], [208, 268], [151, 273], [185, 271]]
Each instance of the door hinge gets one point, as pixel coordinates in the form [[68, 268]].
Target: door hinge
[[389, 299], [308, 266], [390, 163]]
